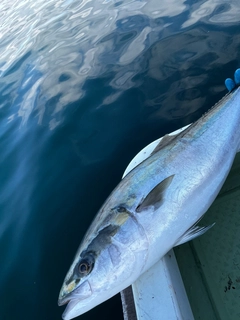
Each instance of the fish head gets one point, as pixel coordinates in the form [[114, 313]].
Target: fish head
[[105, 264]]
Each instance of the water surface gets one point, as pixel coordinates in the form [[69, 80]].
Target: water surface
[[84, 85]]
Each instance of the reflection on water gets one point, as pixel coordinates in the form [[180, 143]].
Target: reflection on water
[[73, 41], [69, 42], [83, 86], [215, 12]]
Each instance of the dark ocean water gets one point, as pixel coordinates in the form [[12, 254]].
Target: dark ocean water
[[84, 85]]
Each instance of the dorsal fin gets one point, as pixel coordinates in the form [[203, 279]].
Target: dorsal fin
[[164, 141], [149, 149]]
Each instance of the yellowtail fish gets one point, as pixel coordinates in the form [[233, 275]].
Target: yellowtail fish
[[155, 207]]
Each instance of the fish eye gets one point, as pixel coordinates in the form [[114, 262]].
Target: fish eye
[[121, 209], [85, 266]]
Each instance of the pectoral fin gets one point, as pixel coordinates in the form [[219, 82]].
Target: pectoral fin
[[155, 196], [193, 233]]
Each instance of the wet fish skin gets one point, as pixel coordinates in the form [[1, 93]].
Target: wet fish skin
[[154, 208]]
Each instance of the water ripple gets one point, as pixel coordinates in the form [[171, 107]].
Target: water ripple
[[69, 42], [84, 84], [214, 12], [62, 40]]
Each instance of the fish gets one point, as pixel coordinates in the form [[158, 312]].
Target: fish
[[155, 207]]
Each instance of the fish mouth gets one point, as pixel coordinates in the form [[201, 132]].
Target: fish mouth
[[63, 301], [67, 312], [79, 293]]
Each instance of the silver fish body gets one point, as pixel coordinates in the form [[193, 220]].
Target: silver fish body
[[153, 208]]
